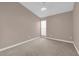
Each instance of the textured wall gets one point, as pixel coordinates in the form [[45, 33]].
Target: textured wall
[[17, 24], [60, 26]]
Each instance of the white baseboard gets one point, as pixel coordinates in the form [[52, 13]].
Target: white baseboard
[[76, 48], [59, 40], [12, 46], [72, 42]]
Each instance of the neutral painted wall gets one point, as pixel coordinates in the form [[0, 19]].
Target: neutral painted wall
[[60, 26], [17, 24], [76, 25]]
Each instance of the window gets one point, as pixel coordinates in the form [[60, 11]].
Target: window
[[43, 27]]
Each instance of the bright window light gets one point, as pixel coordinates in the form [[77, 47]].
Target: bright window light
[[43, 27]]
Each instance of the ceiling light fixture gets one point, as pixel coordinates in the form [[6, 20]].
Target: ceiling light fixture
[[43, 7]]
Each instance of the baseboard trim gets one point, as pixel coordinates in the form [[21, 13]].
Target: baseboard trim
[[72, 42], [76, 48], [59, 40], [12, 46], [18, 44]]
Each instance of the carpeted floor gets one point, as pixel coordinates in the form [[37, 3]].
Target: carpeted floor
[[42, 47]]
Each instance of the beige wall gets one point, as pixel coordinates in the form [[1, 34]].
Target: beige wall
[[76, 25], [60, 26], [17, 24]]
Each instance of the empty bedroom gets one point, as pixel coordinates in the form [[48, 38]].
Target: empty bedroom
[[39, 28]]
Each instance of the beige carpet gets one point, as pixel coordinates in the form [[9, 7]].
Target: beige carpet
[[42, 47]]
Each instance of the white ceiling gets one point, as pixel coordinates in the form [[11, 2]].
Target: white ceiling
[[53, 8]]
